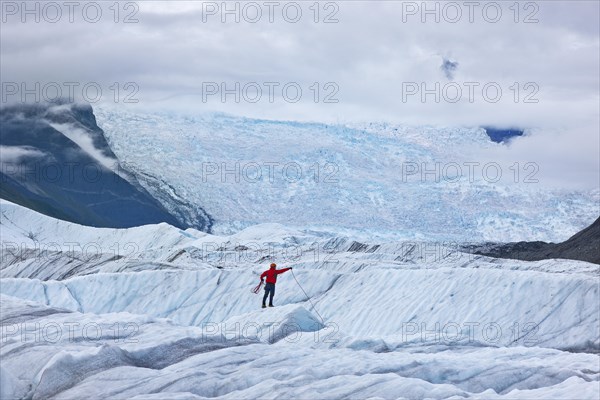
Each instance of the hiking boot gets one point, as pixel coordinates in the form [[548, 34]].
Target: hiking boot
[[271, 305], [263, 306]]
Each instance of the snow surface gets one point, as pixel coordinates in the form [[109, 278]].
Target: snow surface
[[347, 179], [155, 312]]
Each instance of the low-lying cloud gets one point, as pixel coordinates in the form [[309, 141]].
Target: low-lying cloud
[[535, 67]]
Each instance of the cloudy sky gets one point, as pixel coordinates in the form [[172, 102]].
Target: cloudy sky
[[533, 65]]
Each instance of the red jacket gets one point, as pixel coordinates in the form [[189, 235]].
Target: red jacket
[[272, 273]]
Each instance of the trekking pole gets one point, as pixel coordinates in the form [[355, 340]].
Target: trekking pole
[[301, 288]]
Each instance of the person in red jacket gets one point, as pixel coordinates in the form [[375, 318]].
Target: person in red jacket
[[271, 275]]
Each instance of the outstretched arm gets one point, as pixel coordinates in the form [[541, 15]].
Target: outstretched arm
[[281, 271]]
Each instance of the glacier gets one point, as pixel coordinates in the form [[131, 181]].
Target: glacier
[[366, 180], [156, 312]]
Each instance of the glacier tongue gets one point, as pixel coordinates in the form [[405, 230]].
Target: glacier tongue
[[122, 356], [174, 317]]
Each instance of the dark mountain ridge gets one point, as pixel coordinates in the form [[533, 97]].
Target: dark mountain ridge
[[56, 160], [583, 246]]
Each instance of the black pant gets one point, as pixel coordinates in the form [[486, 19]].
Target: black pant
[[269, 289]]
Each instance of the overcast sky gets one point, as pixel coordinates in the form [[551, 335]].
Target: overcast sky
[[373, 58]]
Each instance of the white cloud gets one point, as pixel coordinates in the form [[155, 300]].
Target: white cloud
[[14, 154], [370, 54], [559, 159], [85, 142]]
